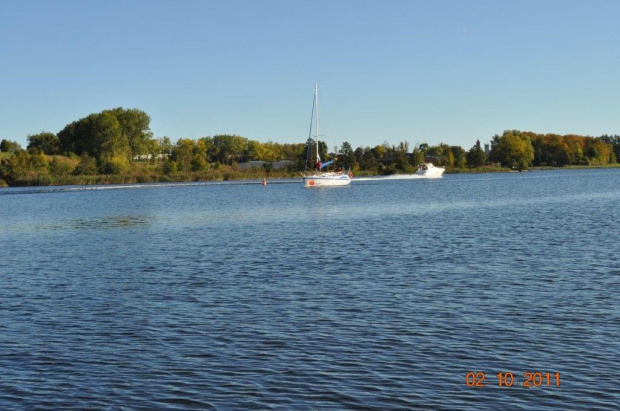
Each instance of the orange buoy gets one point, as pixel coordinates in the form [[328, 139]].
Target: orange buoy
[[311, 182]]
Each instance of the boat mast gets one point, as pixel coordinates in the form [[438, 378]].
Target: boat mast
[[316, 120], [308, 145]]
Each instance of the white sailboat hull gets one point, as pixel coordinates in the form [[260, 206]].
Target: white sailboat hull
[[326, 180]]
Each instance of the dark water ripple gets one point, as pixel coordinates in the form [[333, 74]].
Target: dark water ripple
[[380, 296]]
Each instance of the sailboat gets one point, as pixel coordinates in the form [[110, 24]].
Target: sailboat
[[320, 178]]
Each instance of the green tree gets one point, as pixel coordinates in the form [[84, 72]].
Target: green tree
[[400, 158], [346, 156], [72, 137], [438, 153], [459, 155], [271, 151], [294, 152], [574, 148], [359, 154], [108, 143], [513, 149], [183, 154], [254, 151], [450, 159], [86, 166], [476, 157], [60, 166], [199, 164], [369, 161], [614, 141], [16, 166], [113, 165], [153, 150], [549, 150], [165, 145], [170, 167], [45, 141], [199, 160], [135, 127], [110, 136], [38, 162], [417, 157], [380, 152], [228, 148], [7, 146], [599, 152], [23, 164]]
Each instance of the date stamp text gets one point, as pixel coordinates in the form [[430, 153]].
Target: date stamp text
[[529, 379]]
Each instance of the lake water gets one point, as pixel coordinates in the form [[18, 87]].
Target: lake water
[[382, 295]]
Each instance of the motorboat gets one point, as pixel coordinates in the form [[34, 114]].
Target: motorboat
[[429, 170]]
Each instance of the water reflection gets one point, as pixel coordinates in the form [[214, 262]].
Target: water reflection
[[100, 223]]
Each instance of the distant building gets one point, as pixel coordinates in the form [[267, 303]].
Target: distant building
[[487, 149], [252, 164], [276, 165], [279, 165], [146, 157], [435, 159]]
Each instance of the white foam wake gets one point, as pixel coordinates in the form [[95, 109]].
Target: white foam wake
[[396, 177]]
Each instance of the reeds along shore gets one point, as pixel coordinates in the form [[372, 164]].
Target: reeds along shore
[[138, 176], [225, 173]]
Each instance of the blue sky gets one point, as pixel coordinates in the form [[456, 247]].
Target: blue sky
[[420, 71]]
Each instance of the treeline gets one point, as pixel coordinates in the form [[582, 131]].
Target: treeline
[[557, 151], [119, 144], [520, 150]]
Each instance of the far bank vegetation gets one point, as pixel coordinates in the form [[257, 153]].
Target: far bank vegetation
[[117, 146]]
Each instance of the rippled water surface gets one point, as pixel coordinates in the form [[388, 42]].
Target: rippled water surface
[[382, 295]]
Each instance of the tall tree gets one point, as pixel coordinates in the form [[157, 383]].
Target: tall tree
[[116, 133], [7, 146], [417, 157], [228, 148], [346, 156], [106, 139], [614, 141], [599, 152], [476, 157], [369, 161], [183, 153], [165, 145], [513, 149], [45, 141], [135, 126], [460, 156]]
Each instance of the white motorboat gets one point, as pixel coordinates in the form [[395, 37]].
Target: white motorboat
[[429, 170], [319, 178]]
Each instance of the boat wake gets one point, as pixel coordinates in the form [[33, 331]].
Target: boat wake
[[138, 186], [397, 177]]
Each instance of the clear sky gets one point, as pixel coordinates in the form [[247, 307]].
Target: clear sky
[[421, 71]]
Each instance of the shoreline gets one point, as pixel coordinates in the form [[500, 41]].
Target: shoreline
[[238, 176]]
